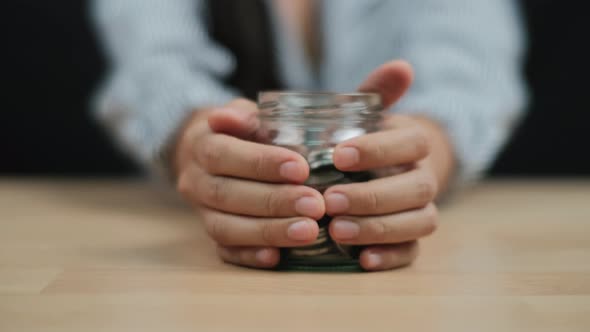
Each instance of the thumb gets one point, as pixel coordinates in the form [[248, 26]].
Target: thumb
[[390, 80], [238, 119]]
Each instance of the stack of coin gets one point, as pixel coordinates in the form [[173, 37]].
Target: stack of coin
[[324, 252]]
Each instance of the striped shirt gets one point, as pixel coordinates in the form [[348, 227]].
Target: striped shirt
[[466, 55]]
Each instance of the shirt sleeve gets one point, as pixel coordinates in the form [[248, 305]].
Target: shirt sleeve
[[163, 66], [467, 60]]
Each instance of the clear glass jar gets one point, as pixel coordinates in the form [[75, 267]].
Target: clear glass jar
[[312, 124]]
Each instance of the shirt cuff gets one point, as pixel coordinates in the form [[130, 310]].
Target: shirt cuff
[[475, 135], [145, 110]]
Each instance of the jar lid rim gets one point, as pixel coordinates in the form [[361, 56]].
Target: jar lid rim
[[270, 94], [318, 100]]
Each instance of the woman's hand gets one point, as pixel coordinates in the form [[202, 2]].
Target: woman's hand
[[249, 195], [252, 200], [389, 214]]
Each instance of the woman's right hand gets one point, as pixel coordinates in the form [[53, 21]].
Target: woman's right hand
[[249, 195]]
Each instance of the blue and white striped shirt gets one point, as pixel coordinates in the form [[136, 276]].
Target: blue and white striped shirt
[[466, 56]]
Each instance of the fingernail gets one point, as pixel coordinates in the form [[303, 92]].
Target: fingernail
[[300, 231], [337, 203], [308, 206], [373, 260], [290, 170], [264, 255], [345, 230], [346, 157]]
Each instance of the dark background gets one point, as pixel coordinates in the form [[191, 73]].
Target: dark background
[[51, 64]]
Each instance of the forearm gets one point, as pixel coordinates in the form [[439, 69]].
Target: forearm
[[466, 55], [163, 67]]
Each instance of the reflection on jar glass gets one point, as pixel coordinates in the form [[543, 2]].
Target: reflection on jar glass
[[312, 124]]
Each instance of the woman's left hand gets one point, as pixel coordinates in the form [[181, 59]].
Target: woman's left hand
[[389, 214]]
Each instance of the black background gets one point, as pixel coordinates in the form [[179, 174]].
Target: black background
[[51, 64]]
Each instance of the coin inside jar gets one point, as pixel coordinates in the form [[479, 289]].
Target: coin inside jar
[[324, 251]]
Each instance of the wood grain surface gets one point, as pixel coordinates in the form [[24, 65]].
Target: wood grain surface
[[123, 255]]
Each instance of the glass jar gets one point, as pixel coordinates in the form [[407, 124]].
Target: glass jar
[[312, 124]]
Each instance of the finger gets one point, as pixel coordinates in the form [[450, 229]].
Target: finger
[[390, 80], [262, 258], [243, 104], [232, 230], [221, 154], [410, 190], [238, 118], [386, 257], [248, 197], [392, 228], [382, 149]]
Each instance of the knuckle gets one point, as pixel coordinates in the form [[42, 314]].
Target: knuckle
[[267, 229], [421, 143], [280, 201], [378, 231], [184, 185], [210, 154], [216, 229], [215, 190], [270, 203], [430, 219], [259, 162], [380, 153], [372, 201], [426, 189]]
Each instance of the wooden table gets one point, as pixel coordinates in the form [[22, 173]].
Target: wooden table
[[120, 255]]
